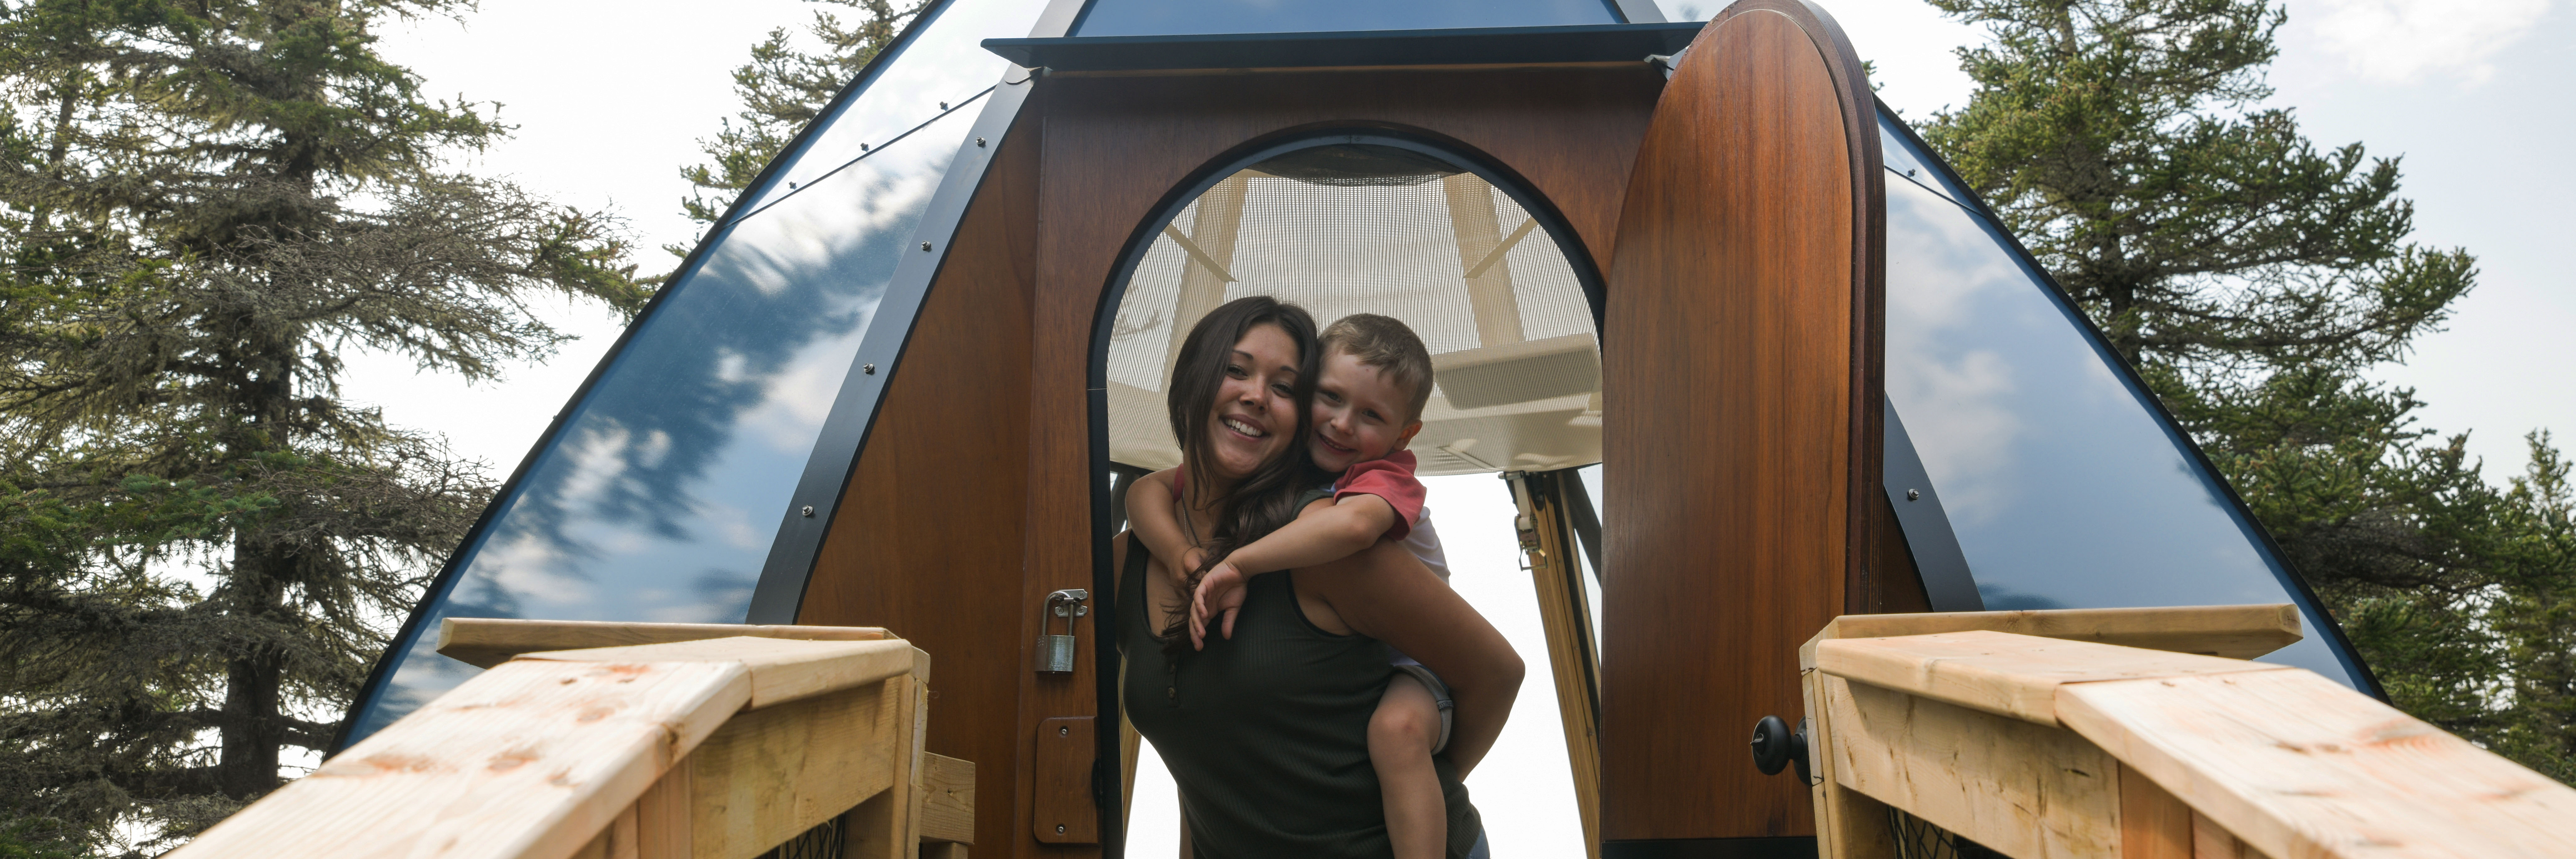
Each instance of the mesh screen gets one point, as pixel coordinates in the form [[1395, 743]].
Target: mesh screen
[[1517, 364]]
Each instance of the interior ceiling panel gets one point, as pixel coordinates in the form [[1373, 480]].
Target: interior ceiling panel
[[1366, 229]]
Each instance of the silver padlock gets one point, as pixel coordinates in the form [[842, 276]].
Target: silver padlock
[[1055, 652]]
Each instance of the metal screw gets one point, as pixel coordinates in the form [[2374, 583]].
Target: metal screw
[[808, 511], [925, 245], [868, 369], [979, 143], [1059, 829], [1064, 732], [1913, 495]]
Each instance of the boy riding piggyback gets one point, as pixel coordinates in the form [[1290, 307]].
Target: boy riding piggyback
[[1375, 379]]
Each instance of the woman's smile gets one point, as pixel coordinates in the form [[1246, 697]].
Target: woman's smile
[[1256, 405]]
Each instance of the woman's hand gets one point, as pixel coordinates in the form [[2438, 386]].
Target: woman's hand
[[1220, 592]]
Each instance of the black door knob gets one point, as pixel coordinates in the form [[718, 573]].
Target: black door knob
[[1775, 747]]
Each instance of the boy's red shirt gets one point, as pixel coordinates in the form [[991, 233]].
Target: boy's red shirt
[[1389, 478]]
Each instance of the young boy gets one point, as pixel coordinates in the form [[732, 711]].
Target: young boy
[[1376, 378]]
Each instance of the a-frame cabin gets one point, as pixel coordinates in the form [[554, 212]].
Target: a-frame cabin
[[902, 381]]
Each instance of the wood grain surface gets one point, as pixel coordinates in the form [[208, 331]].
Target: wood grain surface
[[1849, 824], [772, 773], [2295, 765], [2154, 824], [928, 538], [485, 642], [2232, 631], [781, 670], [2023, 789], [527, 759], [1574, 665], [2006, 674], [1741, 462], [948, 799]]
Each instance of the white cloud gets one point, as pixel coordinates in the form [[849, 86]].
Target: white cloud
[[2409, 40]]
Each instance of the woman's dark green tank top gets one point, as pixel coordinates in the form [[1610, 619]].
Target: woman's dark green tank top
[[1266, 733]]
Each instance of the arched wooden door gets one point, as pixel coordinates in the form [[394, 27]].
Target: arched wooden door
[[1742, 367]]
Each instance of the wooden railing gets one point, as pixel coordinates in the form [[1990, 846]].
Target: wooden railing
[[650, 741], [2142, 734]]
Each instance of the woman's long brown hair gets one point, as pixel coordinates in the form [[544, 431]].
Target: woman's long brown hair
[[1266, 499]]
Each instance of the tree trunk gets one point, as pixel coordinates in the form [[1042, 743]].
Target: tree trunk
[[253, 729]]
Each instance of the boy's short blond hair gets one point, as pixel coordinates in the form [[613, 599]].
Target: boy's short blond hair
[[1386, 344]]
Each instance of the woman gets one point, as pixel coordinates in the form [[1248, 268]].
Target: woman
[[1266, 732]]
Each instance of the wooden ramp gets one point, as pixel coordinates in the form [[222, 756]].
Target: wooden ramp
[[703, 741], [2131, 733]]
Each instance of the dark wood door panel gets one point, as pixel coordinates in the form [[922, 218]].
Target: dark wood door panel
[[1738, 351]]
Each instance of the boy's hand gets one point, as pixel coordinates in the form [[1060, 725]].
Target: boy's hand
[[1221, 592]]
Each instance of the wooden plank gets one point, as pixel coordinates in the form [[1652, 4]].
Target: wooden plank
[[2212, 841], [948, 799], [486, 642], [615, 842], [1571, 660], [770, 774], [2002, 673], [662, 820], [1849, 824], [886, 826], [2295, 765], [2233, 631], [943, 850], [529, 759], [781, 670], [2029, 791], [2154, 824], [1740, 309]]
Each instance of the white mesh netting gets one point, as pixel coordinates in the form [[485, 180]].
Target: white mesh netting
[[1513, 347]]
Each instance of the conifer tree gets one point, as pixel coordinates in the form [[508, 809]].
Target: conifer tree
[[204, 206], [2255, 281], [783, 89]]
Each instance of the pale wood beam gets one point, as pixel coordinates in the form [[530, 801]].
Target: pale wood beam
[[1211, 243], [1548, 540], [486, 642], [1481, 245], [716, 748]]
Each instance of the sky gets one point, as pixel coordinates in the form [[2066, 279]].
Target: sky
[[610, 98]]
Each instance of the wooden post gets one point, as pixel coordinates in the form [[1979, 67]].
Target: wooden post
[[1549, 543]]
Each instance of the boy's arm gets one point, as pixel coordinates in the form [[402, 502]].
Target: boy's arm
[[1156, 519], [1321, 535]]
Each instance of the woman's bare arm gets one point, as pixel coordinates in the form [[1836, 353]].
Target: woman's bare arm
[[1385, 593], [1156, 518]]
